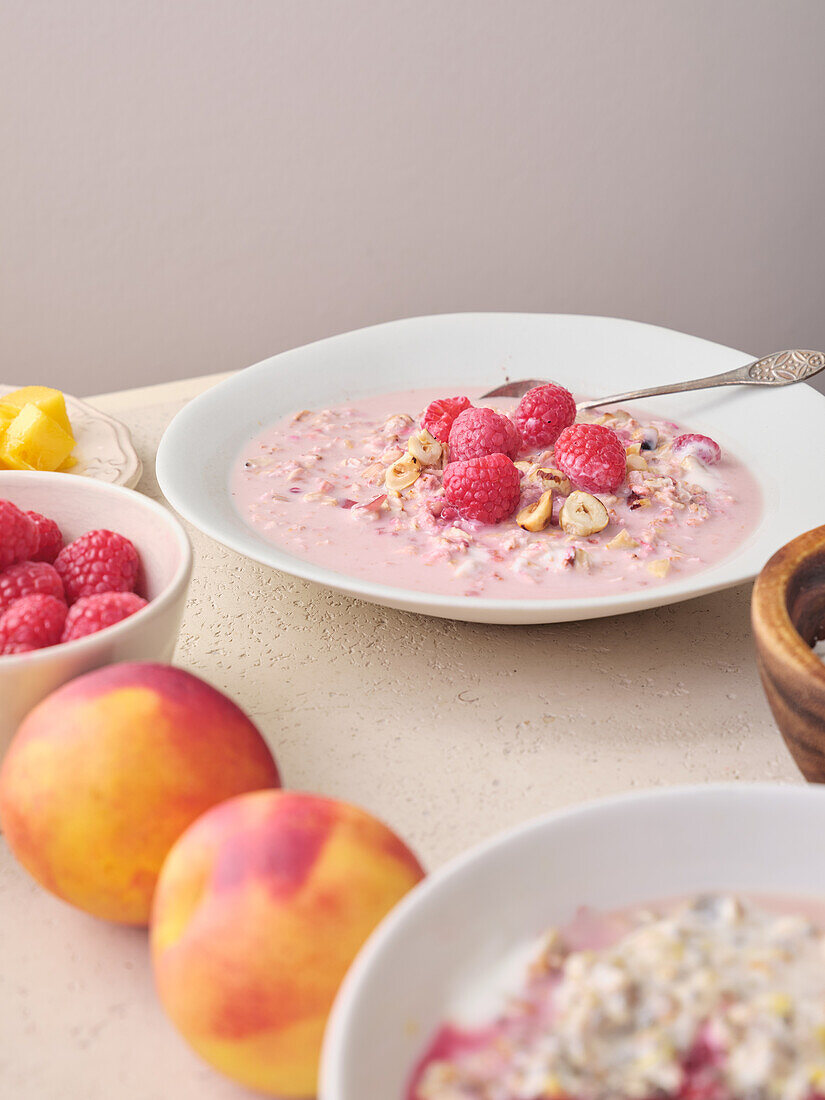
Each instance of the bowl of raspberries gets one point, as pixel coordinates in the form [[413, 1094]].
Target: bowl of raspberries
[[90, 574]]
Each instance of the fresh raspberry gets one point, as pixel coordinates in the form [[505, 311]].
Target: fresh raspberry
[[18, 535], [31, 623], [543, 413], [50, 538], [478, 432], [592, 456], [25, 579], [93, 613], [704, 448], [486, 489], [439, 416], [99, 561]]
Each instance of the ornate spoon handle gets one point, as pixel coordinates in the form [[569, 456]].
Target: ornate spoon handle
[[783, 368]]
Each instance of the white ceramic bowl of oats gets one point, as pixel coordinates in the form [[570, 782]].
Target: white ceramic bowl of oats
[[454, 949]]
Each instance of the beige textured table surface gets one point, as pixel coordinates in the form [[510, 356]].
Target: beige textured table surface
[[448, 731]]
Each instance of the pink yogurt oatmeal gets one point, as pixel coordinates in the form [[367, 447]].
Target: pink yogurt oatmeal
[[717, 998], [313, 484]]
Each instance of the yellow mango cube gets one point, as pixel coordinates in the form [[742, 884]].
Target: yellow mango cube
[[34, 441], [6, 417], [49, 401]]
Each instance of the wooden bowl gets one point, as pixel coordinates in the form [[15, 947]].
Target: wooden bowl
[[788, 616]]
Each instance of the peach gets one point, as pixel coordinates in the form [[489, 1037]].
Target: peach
[[261, 906], [105, 774]]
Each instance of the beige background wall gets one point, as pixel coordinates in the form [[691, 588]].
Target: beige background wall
[[191, 185]]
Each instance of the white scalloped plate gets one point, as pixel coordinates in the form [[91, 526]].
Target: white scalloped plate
[[104, 448]]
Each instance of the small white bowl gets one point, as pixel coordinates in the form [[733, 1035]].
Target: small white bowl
[[79, 505], [435, 950]]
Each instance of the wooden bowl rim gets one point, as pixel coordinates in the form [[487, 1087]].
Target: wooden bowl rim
[[771, 620]]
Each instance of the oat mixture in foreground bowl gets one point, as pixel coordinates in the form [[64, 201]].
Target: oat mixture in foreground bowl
[[443, 980], [717, 997]]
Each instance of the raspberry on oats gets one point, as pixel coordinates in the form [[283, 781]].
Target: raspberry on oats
[[49, 536], [543, 413], [26, 578], [93, 613], [486, 489], [34, 622], [18, 535], [592, 456], [97, 562], [482, 431], [704, 448], [439, 416]]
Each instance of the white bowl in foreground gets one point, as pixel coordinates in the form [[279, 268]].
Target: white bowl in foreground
[[775, 432], [78, 505], [436, 947]]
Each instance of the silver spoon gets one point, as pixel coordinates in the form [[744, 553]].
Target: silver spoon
[[783, 368]]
